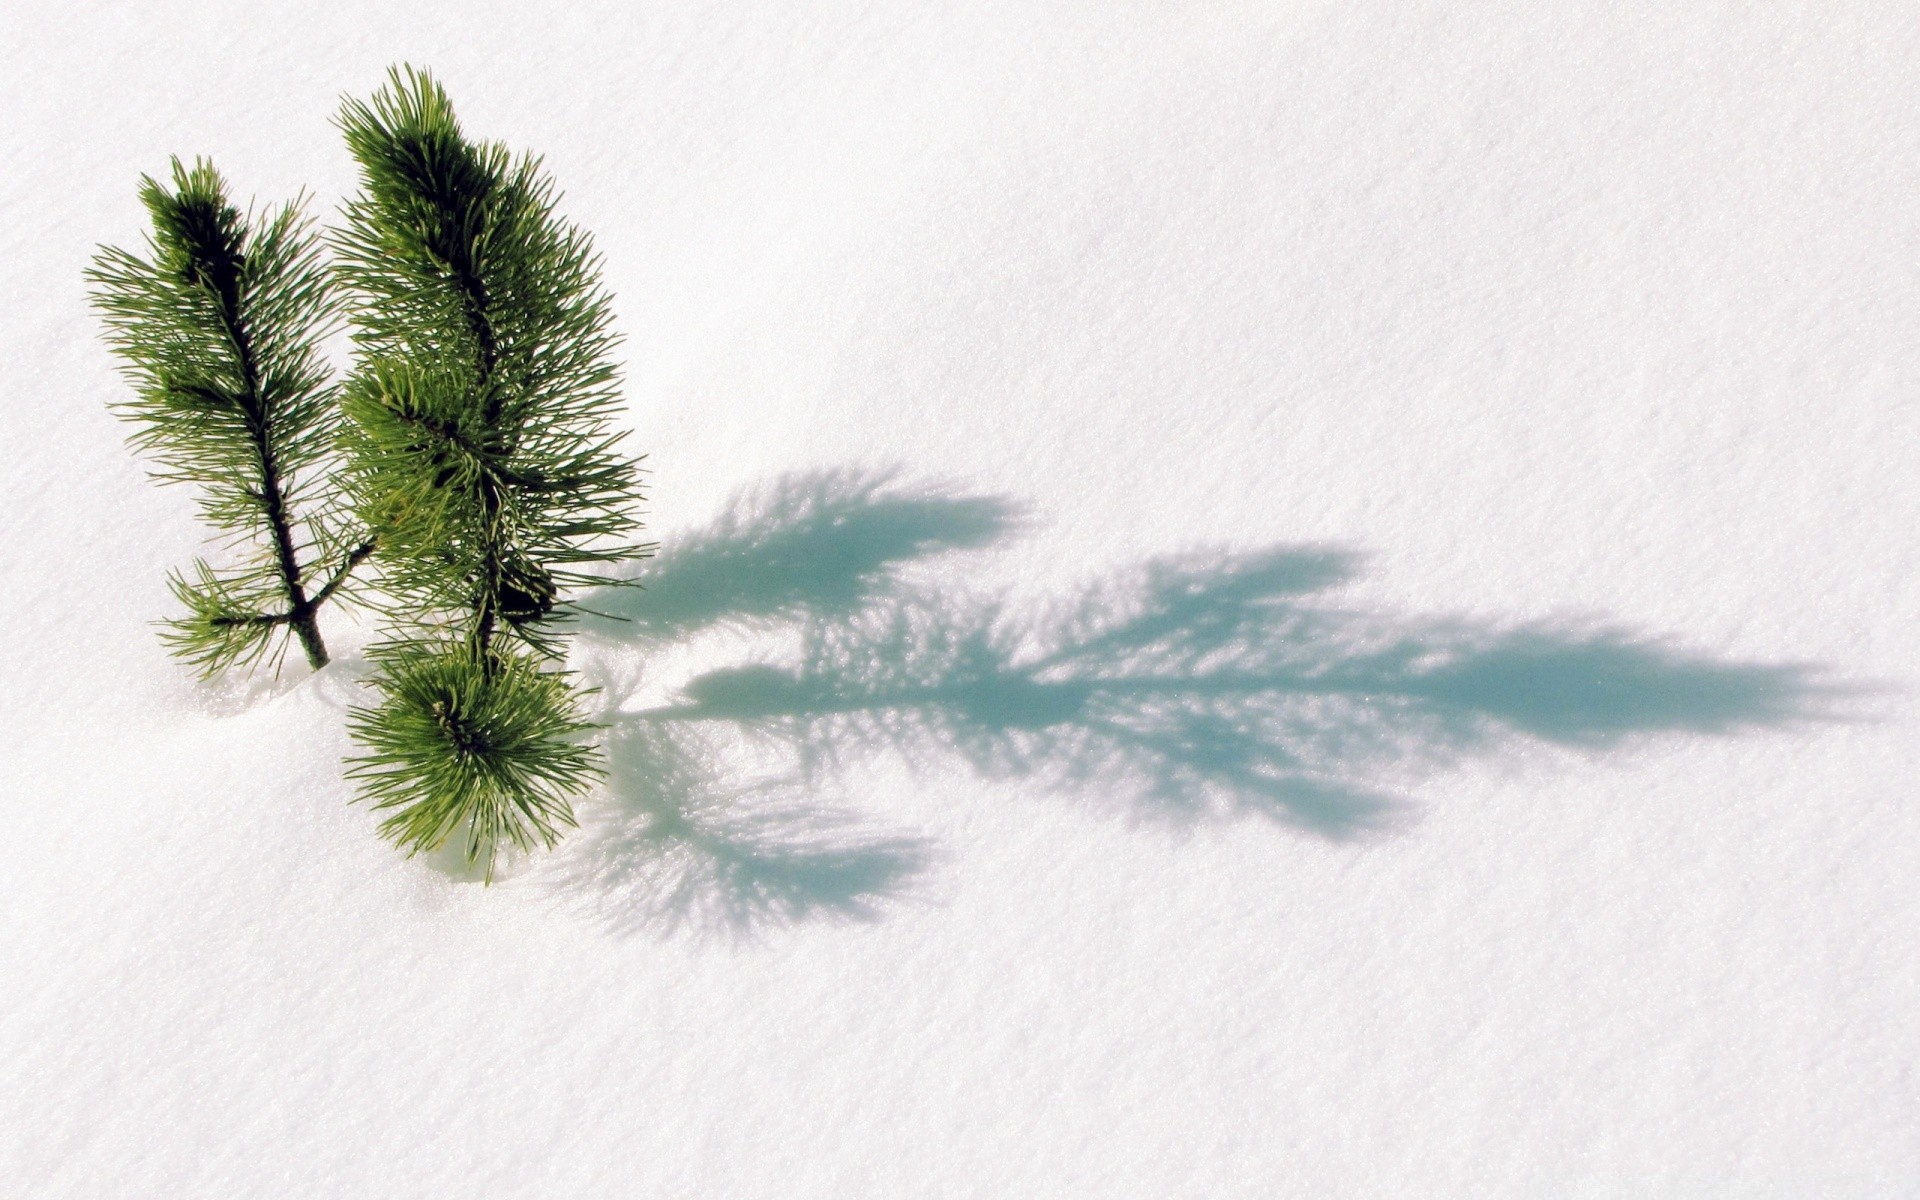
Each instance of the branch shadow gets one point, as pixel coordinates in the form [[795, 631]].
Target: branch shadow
[[688, 848], [1194, 688], [809, 545]]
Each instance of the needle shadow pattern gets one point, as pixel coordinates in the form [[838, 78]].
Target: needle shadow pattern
[[1193, 688]]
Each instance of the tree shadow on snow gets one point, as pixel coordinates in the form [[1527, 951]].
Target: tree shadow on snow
[[1194, 688]]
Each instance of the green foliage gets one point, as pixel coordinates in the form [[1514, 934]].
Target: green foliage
[[482, 408], [481, 449], [474, 448], [490, 749], [227, 621], [218, 327]]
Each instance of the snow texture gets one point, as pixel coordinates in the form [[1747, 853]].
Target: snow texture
[[1257, 599]]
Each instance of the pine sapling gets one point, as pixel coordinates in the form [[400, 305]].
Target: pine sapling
[[218, 330], [482, 450]]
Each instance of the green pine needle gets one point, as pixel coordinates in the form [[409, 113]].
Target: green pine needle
[[226, 623], [490, 750], [481, 416], [475, 448], [218, 327], [481, 447]]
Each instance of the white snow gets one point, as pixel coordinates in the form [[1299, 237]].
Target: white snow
[[1480, 767]]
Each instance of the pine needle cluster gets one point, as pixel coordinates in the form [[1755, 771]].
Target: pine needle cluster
[[472, 455]]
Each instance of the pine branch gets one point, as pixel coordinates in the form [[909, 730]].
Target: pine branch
[[218, 328], [355, 557], [485, 342], [483, 456]]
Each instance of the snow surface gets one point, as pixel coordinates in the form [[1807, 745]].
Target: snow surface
[[1256, 600]]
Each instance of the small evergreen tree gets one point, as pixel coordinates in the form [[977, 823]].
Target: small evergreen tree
[[481, 450], [218, 329]]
